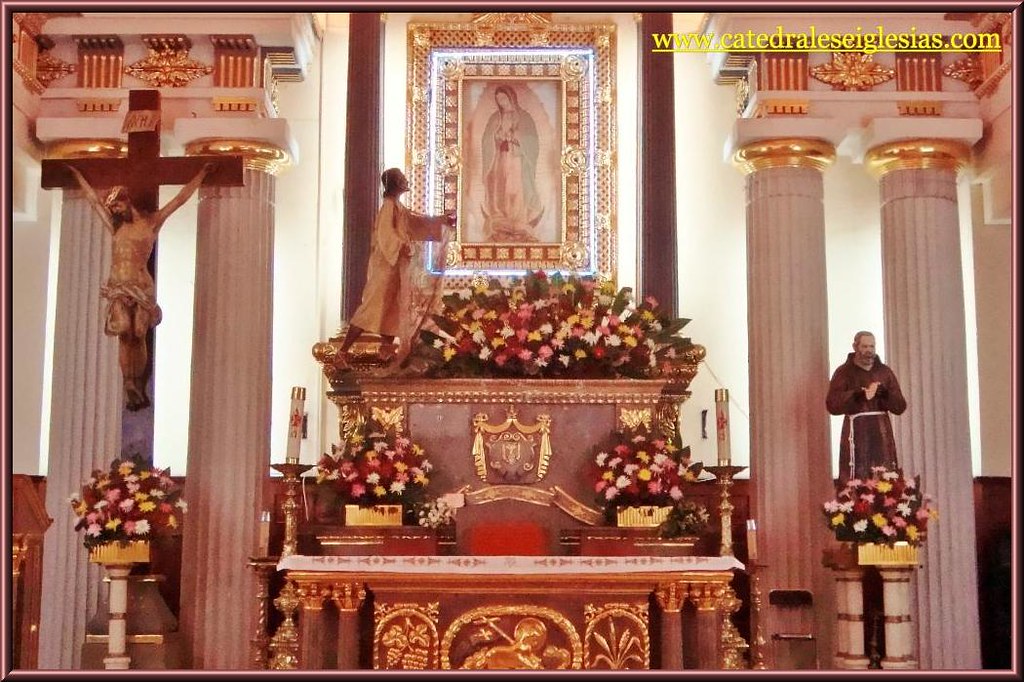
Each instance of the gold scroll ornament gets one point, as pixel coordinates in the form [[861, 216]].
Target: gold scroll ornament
[[508, 448]]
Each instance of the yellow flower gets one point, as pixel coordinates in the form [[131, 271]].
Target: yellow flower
[[416, 449], [144, 474], [607, 475], [401, 466], [491, 315], [379, 491], [141, 496], [147, 506], [475, 325], [449, 353], [580, 353], [497, 342], [670, 448], [629, 341], [533, 336], [125, 468], [420, 478], [838, 519], [879, 521], [172, 522], [572, 319], [644, 474], [884, 486], [112, 524], [643, 456], [912, 532], [647, 316]]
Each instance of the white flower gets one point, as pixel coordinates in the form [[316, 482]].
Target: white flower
[[590, 337], [601, 458], [74, 498], [373, 478], [396, 486], [100, 505], [564, 359], [182, 505], [622, 482], [614, 340], [506, 331], [485, 353], [630, 468], [832, 507], [438, 343], [158, 493], [480, 337], [903, 508], [546, 328], [141, 527], [861, 526]]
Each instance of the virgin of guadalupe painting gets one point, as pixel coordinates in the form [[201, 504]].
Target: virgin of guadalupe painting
[[512, 207], [513, 180]]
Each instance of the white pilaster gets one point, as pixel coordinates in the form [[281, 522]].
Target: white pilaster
[[926, 348], [229, 449], [85, 428]]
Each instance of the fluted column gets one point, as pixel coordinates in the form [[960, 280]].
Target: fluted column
[[229, 419], [85, 414], [922, 288], [787, 322]]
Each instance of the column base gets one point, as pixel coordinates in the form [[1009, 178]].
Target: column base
[[899, 664], [850, 662], [116, 662]]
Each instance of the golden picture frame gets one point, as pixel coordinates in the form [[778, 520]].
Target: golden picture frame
[[511, 127]]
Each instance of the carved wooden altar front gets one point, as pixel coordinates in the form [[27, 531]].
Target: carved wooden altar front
[[461, 612]]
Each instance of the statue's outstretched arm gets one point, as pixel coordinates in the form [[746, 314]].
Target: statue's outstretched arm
[[182, 196], [92, 197]]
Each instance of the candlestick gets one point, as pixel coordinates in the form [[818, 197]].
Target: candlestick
[[290, 507], [295, 415], [725, 474], [751, 540], [722, 426], [264, 541]]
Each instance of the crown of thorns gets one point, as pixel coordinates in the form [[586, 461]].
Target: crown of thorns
[[116, 193]]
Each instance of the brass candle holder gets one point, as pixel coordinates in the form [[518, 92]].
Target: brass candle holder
[[724, 473], [757, 640], [292, 472]]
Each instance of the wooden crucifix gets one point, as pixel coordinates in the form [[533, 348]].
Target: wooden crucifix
[[129, 209]]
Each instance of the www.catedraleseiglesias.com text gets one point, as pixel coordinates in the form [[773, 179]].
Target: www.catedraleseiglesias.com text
[[811, 40]]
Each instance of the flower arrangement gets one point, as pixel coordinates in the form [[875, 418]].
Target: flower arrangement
[[551, 327], [639, 470], [375, 467], [437, 513], [128, 503], [685, 518], [884, 509]]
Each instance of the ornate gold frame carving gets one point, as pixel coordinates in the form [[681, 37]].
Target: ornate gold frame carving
[[531, 610], [504, 432], [168, 63], [411, 644], [571, 63], [616, 649], [852, 71]]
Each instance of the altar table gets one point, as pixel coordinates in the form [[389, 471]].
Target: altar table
[[511, 612]]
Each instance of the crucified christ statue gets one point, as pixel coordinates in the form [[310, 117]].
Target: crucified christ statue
[[130, 291]]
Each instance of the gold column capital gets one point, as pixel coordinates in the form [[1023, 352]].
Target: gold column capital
[[257, 155], [101, 148], [917, 154], [785, 152]]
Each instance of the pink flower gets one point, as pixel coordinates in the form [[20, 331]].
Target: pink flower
[[545, 352], [611, 492], [653, 302], [899, 522], [601, 485], [525, 354], [358, 490], [94, 530], [922, 514], [92, 517], [889, 530], [129, 527], [113, 495]]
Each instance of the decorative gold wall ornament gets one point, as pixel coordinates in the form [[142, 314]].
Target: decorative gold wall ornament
[[347, 596], [852, 71], [917, 154], [246, 104], [574, 256], [98, 104], [574, 508], [967, 69], [484, 19], [50, 68], [788, 107], [405, 636], [510, 450], [667, 418], [789, 152], [100, 61], [520, 493], [389, 418], [616, 637], [635, 418], [919, 108], [168, 65], [258, 155], [519, 636]]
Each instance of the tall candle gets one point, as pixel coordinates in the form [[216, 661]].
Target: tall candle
[[751, 540], [295, 415], [264, 540], [722, 426]]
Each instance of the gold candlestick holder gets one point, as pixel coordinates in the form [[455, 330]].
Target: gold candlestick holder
[[291, 472], [757, 640], [724, 473]]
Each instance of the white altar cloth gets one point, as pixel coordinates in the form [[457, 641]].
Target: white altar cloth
[[523, 565]]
